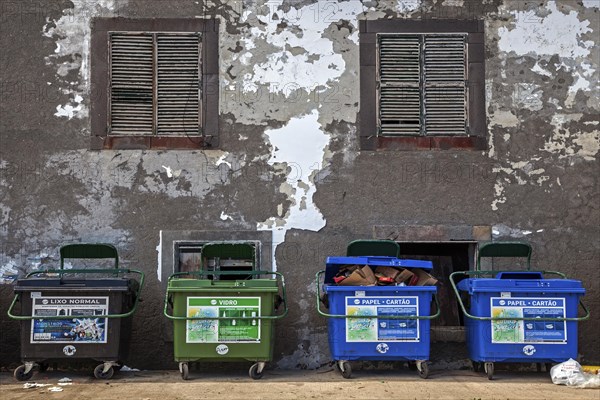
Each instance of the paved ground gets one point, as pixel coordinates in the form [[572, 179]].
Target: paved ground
[[281, 385]]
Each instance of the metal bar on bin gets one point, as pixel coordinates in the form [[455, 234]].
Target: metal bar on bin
[[464, 309], [201, 273], [403, 317], [80, 271]]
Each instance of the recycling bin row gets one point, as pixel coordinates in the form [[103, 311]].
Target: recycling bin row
[[378, 306]]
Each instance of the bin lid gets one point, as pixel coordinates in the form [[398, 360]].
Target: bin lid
[[72, 284], [333, 264], [212, 288], [504, 249], [382, 290], [387, 248], [534, 286]]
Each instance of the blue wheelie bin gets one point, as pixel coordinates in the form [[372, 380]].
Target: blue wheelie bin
[[518, 316], [388, 323]]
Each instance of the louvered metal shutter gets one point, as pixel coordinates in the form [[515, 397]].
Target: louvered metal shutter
[[178, 84], [399, 85], [155, 84], [422, 84], [444, 85], [131, 84]]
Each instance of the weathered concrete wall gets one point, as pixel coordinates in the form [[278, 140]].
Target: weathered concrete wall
[[288, 160]]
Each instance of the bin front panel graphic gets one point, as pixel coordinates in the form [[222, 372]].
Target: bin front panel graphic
[[514, 331], [379, 337], [381, 328], [522, 341], [206, 339], [79, 324], [223, 331], [93, 338]]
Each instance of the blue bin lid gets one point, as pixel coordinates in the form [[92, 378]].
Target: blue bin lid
[[333, 264], [481, 285]]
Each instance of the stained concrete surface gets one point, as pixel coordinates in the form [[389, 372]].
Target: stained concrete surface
[[295, 384]]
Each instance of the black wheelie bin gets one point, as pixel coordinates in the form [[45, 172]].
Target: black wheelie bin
[[70, 315]]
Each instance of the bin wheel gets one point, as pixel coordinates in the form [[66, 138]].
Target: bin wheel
[[20, 374], [253, 372], [489, 370], [476, 366], [100, 374], [185, 371], [424, 370], [345, 369]]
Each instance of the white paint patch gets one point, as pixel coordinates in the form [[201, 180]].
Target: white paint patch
[[504, 118], [527, 95], [502, 230], [565, 143], [557, 33], [171, 173], [408, 7], [317, 65], [521, 172], [222, 160], [69, 111], [225, 217], [8, 272], [591, 3], [300, 147], [159, 253], [541, 71], [500, 198], [453, 3], [580, 84]]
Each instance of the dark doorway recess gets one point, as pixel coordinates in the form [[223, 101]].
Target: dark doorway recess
[[447, 257]]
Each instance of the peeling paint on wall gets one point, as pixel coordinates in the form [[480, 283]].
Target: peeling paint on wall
[[159, 255], [408, 7], [567, 143], [556, 33], [72, 34], [300, 147]]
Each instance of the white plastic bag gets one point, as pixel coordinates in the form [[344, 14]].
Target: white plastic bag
[[569, 373]]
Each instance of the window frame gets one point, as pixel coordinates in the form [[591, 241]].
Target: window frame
[[370, 139], [100, 79]]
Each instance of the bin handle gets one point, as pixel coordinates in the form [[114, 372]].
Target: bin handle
[[201, 273], [403, 317], [80, 271], [466, 313]]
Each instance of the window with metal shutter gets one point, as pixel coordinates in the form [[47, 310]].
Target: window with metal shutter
[[422, 84], [155, 84]]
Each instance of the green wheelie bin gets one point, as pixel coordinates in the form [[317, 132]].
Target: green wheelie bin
[[224, 314]]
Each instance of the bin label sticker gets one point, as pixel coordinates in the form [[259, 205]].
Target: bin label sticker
[[529, 331], [222, 349], [69, 350], [79, 324], [382, 328], [238, 327]]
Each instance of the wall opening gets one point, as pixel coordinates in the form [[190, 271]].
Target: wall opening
[[447, 257]]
